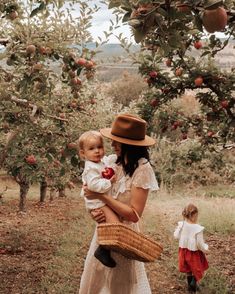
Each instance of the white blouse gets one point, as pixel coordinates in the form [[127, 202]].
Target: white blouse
[[143, 177], [190, 236]]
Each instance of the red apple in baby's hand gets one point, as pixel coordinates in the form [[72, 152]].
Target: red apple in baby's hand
[[107, 173]]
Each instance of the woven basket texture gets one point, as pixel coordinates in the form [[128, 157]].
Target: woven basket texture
[[131, 244]]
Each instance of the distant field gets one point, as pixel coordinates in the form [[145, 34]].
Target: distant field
[[113, 60]]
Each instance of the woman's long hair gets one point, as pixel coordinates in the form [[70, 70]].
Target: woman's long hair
[[130, 155]]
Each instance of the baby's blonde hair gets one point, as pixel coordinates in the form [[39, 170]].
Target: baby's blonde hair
[[189, 211], [86, 136]]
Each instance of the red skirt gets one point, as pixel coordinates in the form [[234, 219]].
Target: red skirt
[[194, 262]]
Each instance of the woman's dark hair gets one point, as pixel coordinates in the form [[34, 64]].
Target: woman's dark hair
[[132, 154]]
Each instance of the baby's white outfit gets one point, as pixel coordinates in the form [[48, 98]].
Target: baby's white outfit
[[190, 236], [92, 177]]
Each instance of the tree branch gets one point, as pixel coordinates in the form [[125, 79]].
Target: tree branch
[[4, 41]]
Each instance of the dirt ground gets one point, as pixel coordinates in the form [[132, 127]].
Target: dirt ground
[[29, 241]]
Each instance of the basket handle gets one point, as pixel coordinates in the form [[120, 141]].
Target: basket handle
[[135, 212]]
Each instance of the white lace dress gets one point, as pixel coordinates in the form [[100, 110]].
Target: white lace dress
[[129, 276]]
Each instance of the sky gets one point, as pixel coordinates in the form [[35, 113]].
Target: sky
[[101, 23]]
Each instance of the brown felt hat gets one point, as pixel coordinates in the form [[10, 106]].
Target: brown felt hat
[[128, 129]]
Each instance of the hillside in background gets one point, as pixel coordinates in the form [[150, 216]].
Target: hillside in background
[[113, 60]]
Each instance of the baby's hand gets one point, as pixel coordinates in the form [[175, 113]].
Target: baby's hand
[[113, 179], [98, 215]]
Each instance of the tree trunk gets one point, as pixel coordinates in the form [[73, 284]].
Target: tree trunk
[[62, 192], [43, 191], [24, 188], [52, 193]]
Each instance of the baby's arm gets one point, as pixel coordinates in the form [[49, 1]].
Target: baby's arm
[[96, 183], [178, 230], [200, 242]]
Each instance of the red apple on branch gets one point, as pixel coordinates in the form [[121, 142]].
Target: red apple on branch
[[168, 62], [183, 7], [76, 81], [210, 133], [215, 20], [81, 61], [42, 50], [224, 104], [154, 103], [30, 159], [13, 15], [153, 74], [178, 72], [89, 64], [197, 44], [30, 49], [198, 81], [184, 136]]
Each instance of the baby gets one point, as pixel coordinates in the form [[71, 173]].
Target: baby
[[98, 175]]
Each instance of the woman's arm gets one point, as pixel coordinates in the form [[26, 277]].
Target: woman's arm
[[129, 212]]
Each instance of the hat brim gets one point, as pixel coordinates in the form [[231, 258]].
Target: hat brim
[[147, 141]]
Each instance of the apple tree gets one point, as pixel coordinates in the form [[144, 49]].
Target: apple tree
[[179, 46], [46, 72]]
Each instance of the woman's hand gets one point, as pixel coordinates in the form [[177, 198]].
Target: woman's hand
[[98, 215]]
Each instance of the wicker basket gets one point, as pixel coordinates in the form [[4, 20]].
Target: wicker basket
[[134, 245]]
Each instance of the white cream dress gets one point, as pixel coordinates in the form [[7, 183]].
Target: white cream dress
[[129, 276]]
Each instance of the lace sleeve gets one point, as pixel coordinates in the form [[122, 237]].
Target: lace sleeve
[[144, 177]]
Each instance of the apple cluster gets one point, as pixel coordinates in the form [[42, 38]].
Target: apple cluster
[[72, 69], [178, 52]]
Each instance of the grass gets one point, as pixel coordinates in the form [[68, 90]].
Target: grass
[[215, 213], [64, 268], [218, 215], [55, 240], [221, 191], [214, 282]]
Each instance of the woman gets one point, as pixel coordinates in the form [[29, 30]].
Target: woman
[[135, 178]]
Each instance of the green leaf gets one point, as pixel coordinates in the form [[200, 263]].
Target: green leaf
[[50, 157], [198, 23], [56, 56], [15, 171], [74, 161], [126, 17], [62, 171], [205, 53], [114, 4], [38, 9], [34, 12], [52, 150], [213, 4], [139, 35], [226, 42], [79, 70], [163, 12], [62, 159]]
